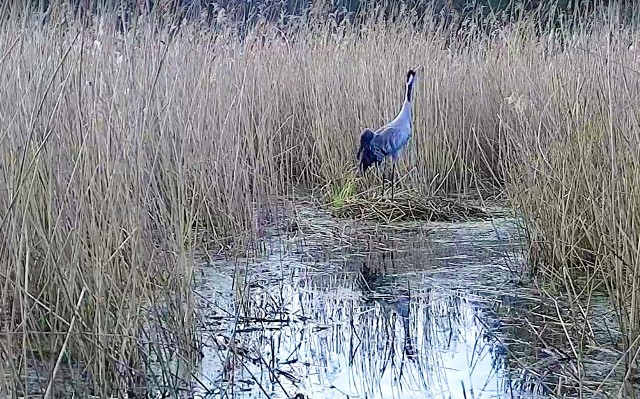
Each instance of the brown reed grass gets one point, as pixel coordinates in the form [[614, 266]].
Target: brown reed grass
[[116, 149]]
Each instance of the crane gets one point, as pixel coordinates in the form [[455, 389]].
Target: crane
[[390, 139]]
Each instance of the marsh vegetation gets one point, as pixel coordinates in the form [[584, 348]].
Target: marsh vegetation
[[127, 157]]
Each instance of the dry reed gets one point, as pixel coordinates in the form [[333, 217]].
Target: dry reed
[[115, 150]]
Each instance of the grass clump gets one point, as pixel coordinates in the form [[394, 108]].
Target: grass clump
[[406, 206], [118, 152]]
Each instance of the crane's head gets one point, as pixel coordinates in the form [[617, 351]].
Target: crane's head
[[411, 75]]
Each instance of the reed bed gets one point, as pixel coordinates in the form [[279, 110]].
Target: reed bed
[[572, 173], [117, 149], [408, 206]]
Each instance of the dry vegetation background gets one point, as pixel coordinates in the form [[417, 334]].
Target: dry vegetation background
[[117, 150]]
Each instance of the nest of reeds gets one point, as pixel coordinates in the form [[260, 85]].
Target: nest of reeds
[[405, 207]]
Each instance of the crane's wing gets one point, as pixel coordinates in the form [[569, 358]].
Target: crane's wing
[[388, 140]]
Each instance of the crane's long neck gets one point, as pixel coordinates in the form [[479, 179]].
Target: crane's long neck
[[404, 116], [409, 91]]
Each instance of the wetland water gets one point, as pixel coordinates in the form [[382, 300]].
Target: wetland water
[[339, 309]]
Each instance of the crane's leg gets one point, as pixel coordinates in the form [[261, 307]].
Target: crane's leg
[[381, 168], [393, 179]]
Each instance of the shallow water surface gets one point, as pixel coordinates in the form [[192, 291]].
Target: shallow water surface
[[345, 310]]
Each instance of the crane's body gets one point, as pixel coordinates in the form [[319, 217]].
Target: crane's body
[[390, 139]]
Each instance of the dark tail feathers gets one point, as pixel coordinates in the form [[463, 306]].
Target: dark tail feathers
[[365, 153]]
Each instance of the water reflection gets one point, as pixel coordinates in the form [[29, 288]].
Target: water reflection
[[412, 315]]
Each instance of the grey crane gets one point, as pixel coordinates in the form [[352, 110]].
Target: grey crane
[[390, 139]]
